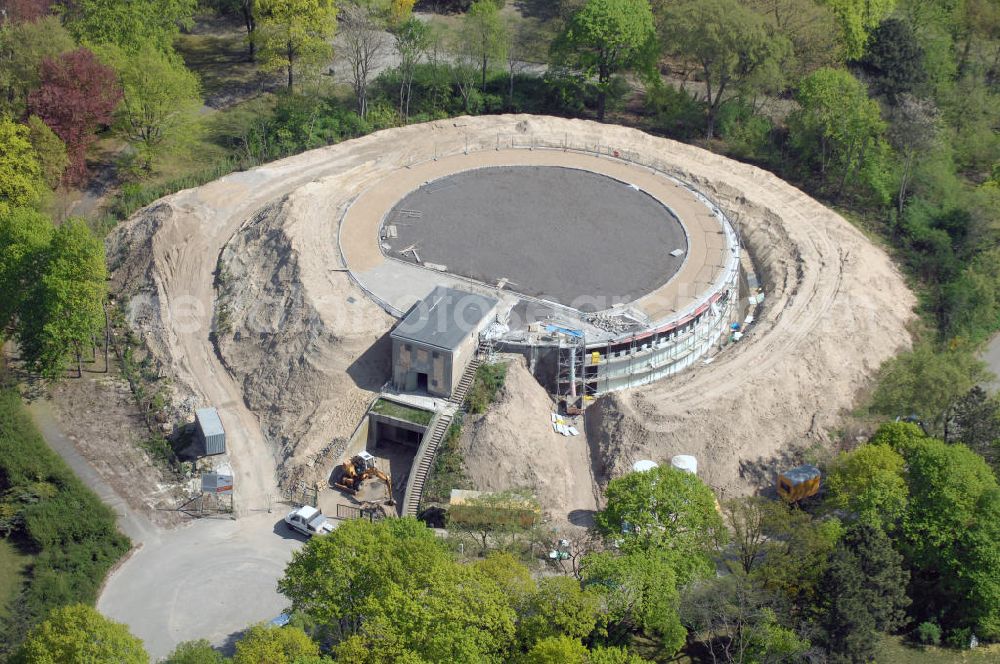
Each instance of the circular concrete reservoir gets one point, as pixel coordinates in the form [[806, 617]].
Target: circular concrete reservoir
[[561, 234]]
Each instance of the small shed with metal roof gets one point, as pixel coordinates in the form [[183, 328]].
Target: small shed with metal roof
[[211, 434], [437, 338]]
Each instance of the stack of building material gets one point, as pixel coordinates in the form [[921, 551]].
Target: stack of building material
[[560, 426]]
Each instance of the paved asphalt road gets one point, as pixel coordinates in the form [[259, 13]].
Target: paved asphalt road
[[992, 358], [209, 580]]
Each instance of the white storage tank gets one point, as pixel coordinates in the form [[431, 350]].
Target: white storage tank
[[643, 465], [685, 462]]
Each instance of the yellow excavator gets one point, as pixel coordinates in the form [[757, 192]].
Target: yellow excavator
[[356, 470]]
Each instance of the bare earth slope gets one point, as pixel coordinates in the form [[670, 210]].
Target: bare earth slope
[[309, 376], [513, 446], [836, 307]]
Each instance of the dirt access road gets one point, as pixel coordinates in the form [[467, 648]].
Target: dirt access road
[[185, 250], [212, 578]]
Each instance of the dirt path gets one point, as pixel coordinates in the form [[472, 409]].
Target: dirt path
[[132, 522]]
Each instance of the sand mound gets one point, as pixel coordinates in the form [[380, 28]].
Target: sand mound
[[836, 308], [300, 344], [513, 446], [309, 376]]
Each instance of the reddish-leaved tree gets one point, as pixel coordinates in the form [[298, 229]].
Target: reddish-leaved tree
[[16, 11], [77, 94]]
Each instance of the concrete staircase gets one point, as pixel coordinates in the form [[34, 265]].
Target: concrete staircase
[[422, 463], [464, 385], [429, 445]]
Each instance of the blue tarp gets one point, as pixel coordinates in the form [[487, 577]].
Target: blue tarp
[[564, 330]]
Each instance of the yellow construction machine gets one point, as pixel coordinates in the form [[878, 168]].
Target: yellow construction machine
[[354, 472]]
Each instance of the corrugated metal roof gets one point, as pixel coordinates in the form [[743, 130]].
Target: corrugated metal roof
[[801, 474], [208, 420], [444, 318]]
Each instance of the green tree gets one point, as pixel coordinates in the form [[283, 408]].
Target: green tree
[[245, 9], [263, 644], [492, 518], [980, 578], [160, 102], [731, 45], [391, 587], [848, 627], [870, 483], [412, 39], [664, 508], [295, 34], [613, 655], [195, 652], [557, 650], [132, 25], [64, 310], [78, 634], [639, 591], [809, 26], [885, 580], [795, 555], [862, 592], [839, 132], [925, 382], [952, 534], [605, 37], [512, 577], [21, 177], [974, 419], [913, 132], [23, 46], [748, 519], [856, 19], [897, 435], [894, 60], [24, 236], [558, 607], [485, 35], [49, 149], [732, 619]]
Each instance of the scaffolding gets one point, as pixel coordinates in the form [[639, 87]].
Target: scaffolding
[[570, 378], [587, 370]]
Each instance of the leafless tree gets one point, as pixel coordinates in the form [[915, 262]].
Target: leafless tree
[[745, 518], [571, 545], [365, 39], [732, 618], [518, 41], [464, 68]]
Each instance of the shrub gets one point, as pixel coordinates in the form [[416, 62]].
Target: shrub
[[929, 633], [489, 379], [71, 531]]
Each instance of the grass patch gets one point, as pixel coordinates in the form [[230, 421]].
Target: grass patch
[[488, 381], [13, 564], [221, 61], [401, 412], [896, 650], [70, 532], [448, 471]]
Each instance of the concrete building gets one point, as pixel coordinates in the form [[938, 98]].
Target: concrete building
[[436, 340]]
